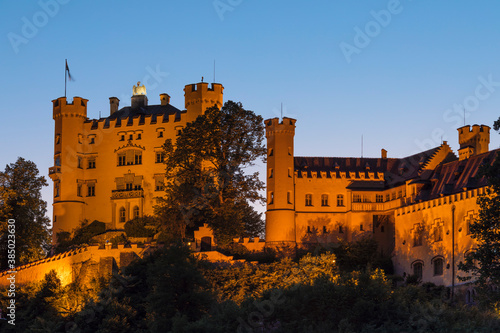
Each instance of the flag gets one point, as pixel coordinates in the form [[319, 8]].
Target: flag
[[67, 71]]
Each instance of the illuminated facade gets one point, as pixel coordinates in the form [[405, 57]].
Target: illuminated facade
[[415, 207], [110, 169]]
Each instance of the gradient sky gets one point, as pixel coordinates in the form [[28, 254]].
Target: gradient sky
[[399, 81]]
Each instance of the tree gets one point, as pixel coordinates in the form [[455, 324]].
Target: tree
[[205, 178], [484, 261], [21, 200]]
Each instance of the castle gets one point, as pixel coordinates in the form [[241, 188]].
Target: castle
[[111, 169], [418, 208]]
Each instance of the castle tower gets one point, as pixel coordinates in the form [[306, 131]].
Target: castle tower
[[67, 171], [280, 213], [473, 141], [200, 96]]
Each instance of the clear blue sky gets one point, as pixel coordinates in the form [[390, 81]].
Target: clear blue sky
[[336, 68]]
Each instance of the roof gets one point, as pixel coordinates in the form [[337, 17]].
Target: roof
[[396, 170], [454, 177]]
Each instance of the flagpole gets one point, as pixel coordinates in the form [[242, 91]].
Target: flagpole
[[65, 66]]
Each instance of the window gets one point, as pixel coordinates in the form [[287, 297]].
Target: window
[[340, 200], [58, 139], [379, 198], [356, 198], [91, 164], [341, 229], [138, 159], [79, 190], [438, 266], [122, 215], [57, 189], [271, 198], [91, 190], [160, 134], [288, 197], [135, 212], [309, 229], [289, 173], [131, 137], [92, 141], [417, 269], [382, 228], [309, 200], [79, 162], [324, 200], [270, 151], [400, 194], [393, 195], [139, 136], [387, 197], [324, 230], [361, 227], [270, 173], [128, 186], [159, 185], [160, 157], [58, 161], [122, 138], [121, 159]]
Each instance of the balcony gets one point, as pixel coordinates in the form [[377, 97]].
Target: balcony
[[126, 194], [54, 169], [376, 206]]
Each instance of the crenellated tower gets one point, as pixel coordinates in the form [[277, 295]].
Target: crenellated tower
[[280, 213], [200, 96], [473, 141], [68, 205]]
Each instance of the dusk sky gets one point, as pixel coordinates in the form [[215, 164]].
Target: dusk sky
[[398, 73]]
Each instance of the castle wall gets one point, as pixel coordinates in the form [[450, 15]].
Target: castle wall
[[425, 218], [83, 263]]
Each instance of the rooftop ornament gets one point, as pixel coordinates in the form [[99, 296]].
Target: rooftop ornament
[[139, 90]]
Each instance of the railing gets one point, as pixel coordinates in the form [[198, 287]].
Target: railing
[[124, 194], [376, 206]]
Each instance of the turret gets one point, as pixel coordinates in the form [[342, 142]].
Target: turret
[[114, 103], [68, 163], [280, 214], [473, 141], [200, 96]]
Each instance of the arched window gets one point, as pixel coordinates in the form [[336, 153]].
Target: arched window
[[135, 212], [122, 215], [418, 268], [438, 266], [309, 200]]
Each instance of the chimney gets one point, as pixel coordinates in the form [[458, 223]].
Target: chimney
[[384, 153], [165, 99], [113, 105]]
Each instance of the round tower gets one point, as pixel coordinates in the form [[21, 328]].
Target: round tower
[[200, 96], [67, 172], [280, 213]]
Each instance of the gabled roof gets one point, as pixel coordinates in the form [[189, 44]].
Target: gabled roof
[[454, 177]]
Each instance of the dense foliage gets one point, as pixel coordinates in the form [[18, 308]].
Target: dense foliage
[[21, 200], [171, 291], [81, 235], [206, 180]]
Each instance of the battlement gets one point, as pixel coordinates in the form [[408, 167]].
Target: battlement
[[203, 94], [252, 244], [61, 107], [275, 126], [468, 132]]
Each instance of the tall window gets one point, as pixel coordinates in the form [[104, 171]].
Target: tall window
[[122, 215], [159, 185], [160, 134], [356, 198], [79, 190], [160, 157], [121, 159], [138, 158], [340, 200], [271, 198], [418, 269], [379, 198], [288, 197], [57, 188], [79, 162], [438, 266], [324, 200], [135, 212], [91, 164], [309, 200], [387, 197], [130, 157], [91, 190], [438, 232]]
